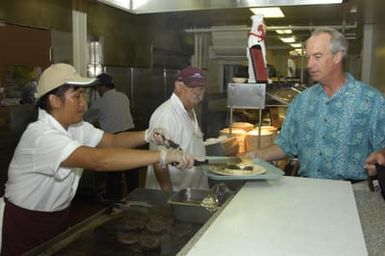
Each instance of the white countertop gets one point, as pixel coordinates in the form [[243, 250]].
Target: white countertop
[[287, 216]]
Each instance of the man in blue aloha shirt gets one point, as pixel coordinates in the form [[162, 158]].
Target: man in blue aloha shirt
[[335, 124]]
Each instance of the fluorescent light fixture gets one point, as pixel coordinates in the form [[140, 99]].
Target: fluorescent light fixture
[[353, 9], [300, 51], [296, 45], [121, 4], [139, 4], [287, 39], [284, 31], [269, 12], [327, 2]]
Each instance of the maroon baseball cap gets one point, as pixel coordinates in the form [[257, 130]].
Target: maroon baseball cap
[[192, 77]]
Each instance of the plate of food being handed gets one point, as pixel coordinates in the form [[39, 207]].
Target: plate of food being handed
[[246, 169]]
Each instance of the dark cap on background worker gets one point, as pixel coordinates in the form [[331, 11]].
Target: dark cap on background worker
[[192, 77]]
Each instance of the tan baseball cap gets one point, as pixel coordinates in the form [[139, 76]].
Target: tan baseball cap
[[59, 74]]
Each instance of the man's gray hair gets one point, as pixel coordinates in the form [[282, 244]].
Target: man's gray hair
[[338, 42]]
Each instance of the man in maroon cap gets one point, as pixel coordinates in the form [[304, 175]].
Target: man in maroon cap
[[177, 115]]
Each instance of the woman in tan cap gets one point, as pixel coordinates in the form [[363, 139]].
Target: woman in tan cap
[[47, 164]]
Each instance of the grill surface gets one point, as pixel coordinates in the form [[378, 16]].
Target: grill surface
[[134, 230]]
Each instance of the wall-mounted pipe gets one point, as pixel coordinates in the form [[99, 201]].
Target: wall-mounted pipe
[[237, 28]]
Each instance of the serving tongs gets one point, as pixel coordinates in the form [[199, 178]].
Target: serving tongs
[[207, 160], [171, 144]]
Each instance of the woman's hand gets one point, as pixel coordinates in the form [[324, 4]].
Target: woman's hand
[[177, 157], [157, 136]]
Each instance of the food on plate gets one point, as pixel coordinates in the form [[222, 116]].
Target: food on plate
[[234, 167], [245, 167]]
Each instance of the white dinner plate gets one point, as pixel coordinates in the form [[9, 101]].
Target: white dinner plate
[[236, 172]]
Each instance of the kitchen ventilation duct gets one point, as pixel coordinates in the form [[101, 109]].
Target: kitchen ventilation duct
[[229, 41], [158, 6]]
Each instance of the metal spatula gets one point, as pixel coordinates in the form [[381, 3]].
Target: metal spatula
[[210, 160]]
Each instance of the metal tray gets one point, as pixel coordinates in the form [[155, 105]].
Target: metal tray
[[186, 205], [272, 172]]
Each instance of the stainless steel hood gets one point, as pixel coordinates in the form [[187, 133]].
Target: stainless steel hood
[[158, 6], [231, 43], [226, 22]]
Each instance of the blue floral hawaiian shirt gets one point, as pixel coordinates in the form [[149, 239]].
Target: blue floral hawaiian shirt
[[332, 136]]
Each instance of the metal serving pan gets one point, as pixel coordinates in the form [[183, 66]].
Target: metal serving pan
[[186, 205], [195, 206]]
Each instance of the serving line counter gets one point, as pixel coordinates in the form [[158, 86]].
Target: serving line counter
[[295, 216], [283, 216]]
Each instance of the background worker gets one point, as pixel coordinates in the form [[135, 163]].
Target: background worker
[[291, 64], [113, 114], [178, 117]]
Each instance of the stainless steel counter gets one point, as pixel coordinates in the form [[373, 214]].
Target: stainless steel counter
[[369, 205]]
